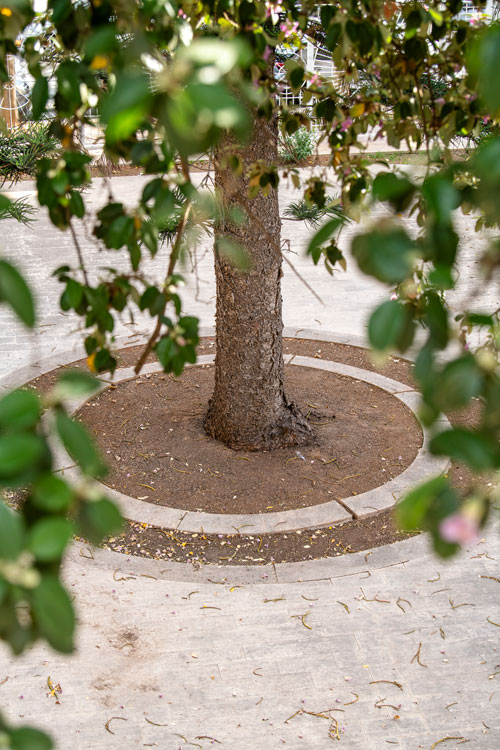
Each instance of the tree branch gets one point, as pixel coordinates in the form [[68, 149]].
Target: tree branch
[[79, 253], [174, 255]]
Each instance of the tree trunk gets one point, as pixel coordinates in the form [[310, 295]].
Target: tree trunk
[[249, 409]]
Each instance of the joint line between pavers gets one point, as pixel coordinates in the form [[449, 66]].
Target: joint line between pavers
[[347, 508]]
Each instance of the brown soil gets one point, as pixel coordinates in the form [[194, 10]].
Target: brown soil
[[143, 540], [150, 429], [363, 534]]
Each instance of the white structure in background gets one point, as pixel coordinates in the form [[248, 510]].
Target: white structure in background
[[471, 12], [317, 59]]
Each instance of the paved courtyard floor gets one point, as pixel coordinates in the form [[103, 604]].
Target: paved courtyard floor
[[388, 648]]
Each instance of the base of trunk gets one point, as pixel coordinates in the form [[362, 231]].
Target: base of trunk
[[289, 429]]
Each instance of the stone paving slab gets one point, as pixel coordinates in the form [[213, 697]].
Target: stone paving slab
[[238, 672]]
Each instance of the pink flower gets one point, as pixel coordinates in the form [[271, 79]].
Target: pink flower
[[346, 124], [460, 528], [289, 30], [314, 79], [266, 53]]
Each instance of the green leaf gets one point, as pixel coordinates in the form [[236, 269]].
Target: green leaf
[[5, 203], [48, 538], [332, 38], [386, 325], [388, 255], [19, 453], [72, 295], [165, 350], [436, 318], [484, 61], [61, 9], [120, 232], [441, 197], [323, 234], [460, 381], [53, 613], [52, 494], [478, 319], [76, 204], [474, 449], [102, 40], [19, 410], [27, 738], [39, 96], [413, 511], [396, 190], [441, 277], [79, 445], [296, 74], [14, 291], [73, 384], [415, 49], [98, 519], [127, 105], [436, 16], [153, 300], [424, 370], [11, 533], [195, 114]]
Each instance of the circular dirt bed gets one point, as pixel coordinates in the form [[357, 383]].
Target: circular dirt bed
[[150, 430], [146, 540]]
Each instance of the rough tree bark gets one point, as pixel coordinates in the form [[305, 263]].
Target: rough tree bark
[[249, 409]]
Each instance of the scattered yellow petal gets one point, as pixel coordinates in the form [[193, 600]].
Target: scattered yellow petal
[[99, 62], [90, 363], [6, 12], [358, 109]]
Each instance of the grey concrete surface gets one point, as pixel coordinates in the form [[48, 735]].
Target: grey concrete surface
[[231, 659], [255, 658]]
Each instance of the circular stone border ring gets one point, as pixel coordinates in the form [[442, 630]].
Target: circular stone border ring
[[324, 514]]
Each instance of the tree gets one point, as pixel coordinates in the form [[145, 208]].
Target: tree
[[249, 408], [173, 80]]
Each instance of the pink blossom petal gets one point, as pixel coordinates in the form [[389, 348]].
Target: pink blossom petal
[[459, 528]]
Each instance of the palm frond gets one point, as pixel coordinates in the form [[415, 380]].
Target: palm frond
[[21, 149], [21, 210], [312, 214]]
